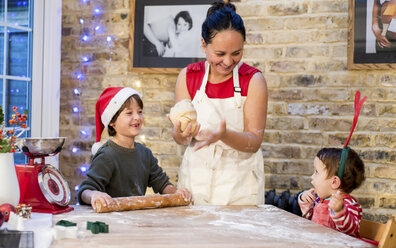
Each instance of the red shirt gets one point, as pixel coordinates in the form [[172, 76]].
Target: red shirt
[[348, 221], [195, 73]]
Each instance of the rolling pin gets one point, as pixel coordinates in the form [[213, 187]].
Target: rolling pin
[[142, 202]]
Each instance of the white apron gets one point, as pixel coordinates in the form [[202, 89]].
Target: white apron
[[218, 174]]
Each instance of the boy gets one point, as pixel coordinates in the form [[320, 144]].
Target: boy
[[328, 203], [121, 167]]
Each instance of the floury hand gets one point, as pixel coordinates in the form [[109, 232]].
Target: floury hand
[[208, 137]]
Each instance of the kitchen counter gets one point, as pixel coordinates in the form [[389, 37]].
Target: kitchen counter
[[202, 226]]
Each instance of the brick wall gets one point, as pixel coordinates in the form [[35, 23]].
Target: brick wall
[[301, 47]]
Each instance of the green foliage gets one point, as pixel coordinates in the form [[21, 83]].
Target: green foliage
[[17, 125]]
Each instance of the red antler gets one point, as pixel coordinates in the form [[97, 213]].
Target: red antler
[[358, 106]]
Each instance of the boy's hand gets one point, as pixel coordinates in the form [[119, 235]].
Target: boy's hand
[[336, 203], [308, 196], [185, 193], [104, 198]]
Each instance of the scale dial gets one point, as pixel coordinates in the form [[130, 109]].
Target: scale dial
[[54, 186]]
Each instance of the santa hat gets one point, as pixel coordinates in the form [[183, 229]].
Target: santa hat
[[108, 104]]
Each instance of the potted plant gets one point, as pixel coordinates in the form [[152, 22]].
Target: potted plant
[[9, 186]]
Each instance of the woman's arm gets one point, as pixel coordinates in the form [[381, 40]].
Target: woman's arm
[[148, 33], [375, 26], [181, 92], [255, 116], [172, 35], [382, 40]]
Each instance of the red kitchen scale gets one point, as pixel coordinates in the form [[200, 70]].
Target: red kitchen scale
[[41, 185]]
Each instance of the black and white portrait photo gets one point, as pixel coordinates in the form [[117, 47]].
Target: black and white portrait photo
[[174, 32], [167, 33]]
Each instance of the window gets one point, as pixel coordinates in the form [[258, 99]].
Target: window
[[30, 74], [15, 59]]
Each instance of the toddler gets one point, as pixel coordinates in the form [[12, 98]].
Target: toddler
[[328, 203]]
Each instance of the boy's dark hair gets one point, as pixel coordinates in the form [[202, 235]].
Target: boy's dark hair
[[186, 16], [221, 16], [354, 167], [127, 102]]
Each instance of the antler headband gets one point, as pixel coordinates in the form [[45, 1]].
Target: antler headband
[[345, 150]]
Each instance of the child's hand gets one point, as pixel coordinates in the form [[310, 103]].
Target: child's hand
[[185, 193], [308, 196], [336, 202], [104, 198]]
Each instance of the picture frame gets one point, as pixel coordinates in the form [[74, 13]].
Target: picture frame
[[364, 51], [158, 18]]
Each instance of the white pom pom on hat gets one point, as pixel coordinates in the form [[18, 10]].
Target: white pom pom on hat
[[108, 104]]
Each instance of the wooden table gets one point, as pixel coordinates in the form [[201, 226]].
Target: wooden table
[[203, 226]]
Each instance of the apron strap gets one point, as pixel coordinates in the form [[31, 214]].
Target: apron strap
[[204, 82], [237, 88]]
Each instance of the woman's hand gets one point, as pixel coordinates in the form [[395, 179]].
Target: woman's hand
[[207, 137], [160, 48], [184, 137], [104, 198], [381, 40]]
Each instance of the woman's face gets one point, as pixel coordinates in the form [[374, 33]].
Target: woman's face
[[225, 51], [182, 26]]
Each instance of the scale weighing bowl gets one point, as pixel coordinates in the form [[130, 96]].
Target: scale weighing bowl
[[39, 147], [41, 185]]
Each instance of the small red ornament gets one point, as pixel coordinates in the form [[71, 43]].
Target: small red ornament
[[6, 209]]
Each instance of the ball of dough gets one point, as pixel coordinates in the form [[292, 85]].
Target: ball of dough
[[184, 112]]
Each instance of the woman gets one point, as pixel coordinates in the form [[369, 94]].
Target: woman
[[223, 164]]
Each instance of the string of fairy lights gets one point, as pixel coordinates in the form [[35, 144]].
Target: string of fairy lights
[[91, 29]]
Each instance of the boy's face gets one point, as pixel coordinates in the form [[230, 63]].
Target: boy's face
[[322, 184], [129, 122]]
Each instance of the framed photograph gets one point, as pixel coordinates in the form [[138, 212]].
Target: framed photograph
[[165, 35], [372, 34]]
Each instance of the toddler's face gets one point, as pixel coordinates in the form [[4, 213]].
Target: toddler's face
[[130, 121], [319, 179]]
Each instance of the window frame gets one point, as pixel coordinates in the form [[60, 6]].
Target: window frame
[[46, 64], [46, 59]]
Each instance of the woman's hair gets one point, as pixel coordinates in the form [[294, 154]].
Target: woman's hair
[[354, 167], [221, 16], [186, 16], [126, 104]]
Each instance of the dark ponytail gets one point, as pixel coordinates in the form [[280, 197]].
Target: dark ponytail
[[218, 5], [221, 16]]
